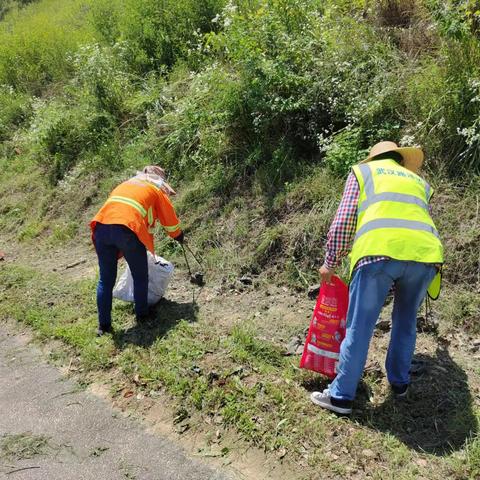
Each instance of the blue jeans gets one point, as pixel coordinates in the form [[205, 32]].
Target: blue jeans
[[110, 240], [368, 290]]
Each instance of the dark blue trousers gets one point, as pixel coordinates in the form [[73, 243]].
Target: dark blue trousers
[[109, 241]]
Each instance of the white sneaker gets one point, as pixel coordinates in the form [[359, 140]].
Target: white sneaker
[[324, 400]]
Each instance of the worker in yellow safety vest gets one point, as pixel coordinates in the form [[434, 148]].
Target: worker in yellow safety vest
[[124, 226], [384, 223]]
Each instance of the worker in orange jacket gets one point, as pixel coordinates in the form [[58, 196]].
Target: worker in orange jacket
[[124, 226]]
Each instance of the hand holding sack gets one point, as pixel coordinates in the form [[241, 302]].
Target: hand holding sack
[[327, 329]]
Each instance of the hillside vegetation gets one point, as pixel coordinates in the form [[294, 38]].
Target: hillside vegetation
[[257, 109]]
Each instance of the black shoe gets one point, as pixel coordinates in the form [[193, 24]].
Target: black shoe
[[103, 330], [400, 391], [146, 317]]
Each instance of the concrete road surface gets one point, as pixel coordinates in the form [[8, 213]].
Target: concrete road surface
[[86, 439]]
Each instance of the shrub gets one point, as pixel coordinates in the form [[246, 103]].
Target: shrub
[[289, 77], [15, 109], [344, 151], [61, 133], [273, 47], [301, 77], [158, 34], [360, 74], [199, 127], [103, 74]]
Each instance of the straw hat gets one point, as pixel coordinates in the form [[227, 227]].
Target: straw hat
[[158, 174], [412, 156]]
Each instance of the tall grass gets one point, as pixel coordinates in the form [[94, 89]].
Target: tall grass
[[35, 42]]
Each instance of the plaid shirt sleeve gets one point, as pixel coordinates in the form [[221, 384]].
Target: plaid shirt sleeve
[[342, 230]]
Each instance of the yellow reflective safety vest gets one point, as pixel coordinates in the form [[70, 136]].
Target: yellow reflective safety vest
[[393, 219]]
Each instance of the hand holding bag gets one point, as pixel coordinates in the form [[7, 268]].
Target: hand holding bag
[[327, 329]]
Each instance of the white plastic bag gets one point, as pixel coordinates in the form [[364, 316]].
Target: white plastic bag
[[159, 273]]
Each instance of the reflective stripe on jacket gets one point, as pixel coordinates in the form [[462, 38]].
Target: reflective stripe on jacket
[[393, 218], [138, 205]]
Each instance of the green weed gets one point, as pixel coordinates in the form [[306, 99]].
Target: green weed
[[269, 243], [63, 233], [157, 35], [461, 308], [32, 230], [344, 151], [15, 110], [467, 464]]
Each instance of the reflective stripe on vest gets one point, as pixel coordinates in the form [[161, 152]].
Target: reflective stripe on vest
[[395, 223], [373, 197], [128, 201], [136, 205], [172, 228]]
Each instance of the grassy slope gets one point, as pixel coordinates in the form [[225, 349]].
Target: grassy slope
[[222, 364]]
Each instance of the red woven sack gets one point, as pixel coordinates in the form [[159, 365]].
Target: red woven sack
[[327, 329]]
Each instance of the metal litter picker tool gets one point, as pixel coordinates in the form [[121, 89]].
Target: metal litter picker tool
[[196, 278]]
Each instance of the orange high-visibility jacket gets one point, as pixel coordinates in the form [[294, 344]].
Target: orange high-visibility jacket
[[137, 204]]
